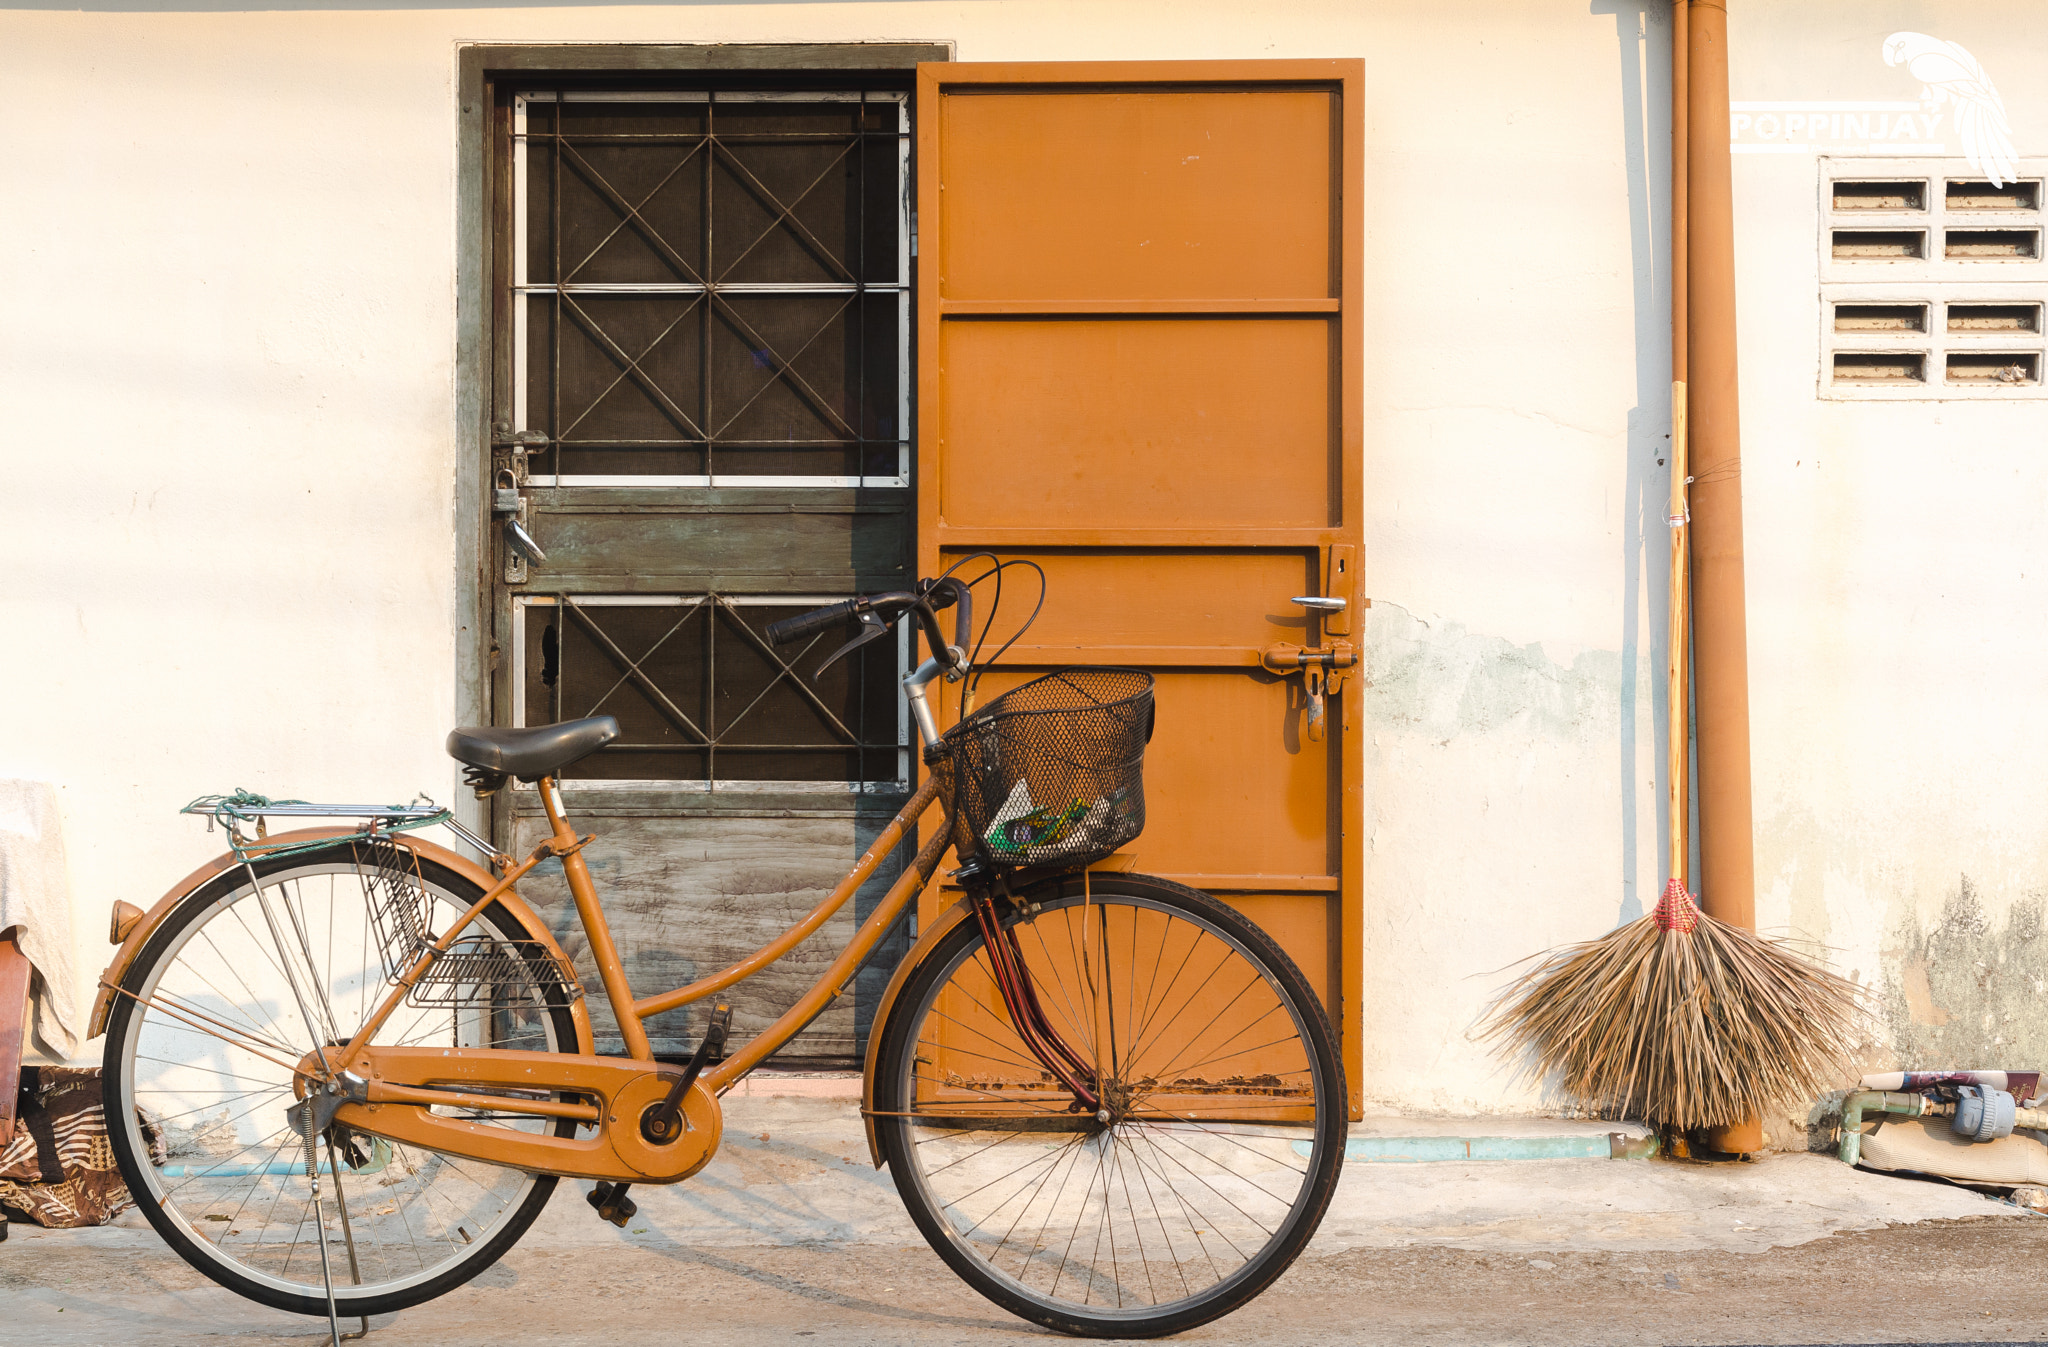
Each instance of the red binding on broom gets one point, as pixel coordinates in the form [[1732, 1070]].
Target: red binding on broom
[[1676, 910]]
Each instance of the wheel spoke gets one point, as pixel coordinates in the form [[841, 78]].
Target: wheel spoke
[[1178, 1198], [208, 1040]]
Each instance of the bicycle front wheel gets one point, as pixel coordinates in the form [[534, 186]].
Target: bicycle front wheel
[[1218, 1141], [238, 984]]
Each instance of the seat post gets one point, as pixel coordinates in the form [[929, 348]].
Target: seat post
[[558, 814], [616, 989]]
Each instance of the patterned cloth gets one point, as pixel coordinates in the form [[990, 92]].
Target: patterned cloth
[[59, 1170]]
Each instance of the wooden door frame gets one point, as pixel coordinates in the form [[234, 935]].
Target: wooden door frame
[[479, 68]]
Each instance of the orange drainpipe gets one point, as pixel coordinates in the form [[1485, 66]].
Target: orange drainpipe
[[1727, 880]]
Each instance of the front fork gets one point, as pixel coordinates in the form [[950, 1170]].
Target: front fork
[[1006, 959], [1020, 997]]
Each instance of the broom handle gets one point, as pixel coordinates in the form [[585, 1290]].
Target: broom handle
[[1678, 679], [1677, 683]]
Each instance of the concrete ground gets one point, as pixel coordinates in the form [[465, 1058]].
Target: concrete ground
[[792, 1234]]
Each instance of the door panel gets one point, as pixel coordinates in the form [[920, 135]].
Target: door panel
[[1063, 435], [633, 539], [1139, 309], [1137, 193], [689, 896], [1147, 606]]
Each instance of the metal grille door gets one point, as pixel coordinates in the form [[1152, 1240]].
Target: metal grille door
[[702, 356]]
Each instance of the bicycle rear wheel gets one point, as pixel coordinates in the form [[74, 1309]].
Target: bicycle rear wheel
[[198, 1077], [1220, 1137]]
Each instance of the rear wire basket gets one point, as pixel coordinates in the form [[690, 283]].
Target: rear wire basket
[[475, 971], [1051, 773]]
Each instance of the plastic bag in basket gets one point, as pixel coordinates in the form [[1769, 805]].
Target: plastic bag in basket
[[1022, 832]]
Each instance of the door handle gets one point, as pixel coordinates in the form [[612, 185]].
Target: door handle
[[521, 542]]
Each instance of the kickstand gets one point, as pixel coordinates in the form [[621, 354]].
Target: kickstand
[[312, 1134], [355, 1271]]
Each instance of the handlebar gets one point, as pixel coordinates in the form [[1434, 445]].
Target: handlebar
[[803, 624], [877, 611]]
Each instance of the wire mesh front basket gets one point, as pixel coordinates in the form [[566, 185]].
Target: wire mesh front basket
[[1051, 773], [476, 970]]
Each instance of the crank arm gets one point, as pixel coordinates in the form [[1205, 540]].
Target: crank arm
[[662, 1124]]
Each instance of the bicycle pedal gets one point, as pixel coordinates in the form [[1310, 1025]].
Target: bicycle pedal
[[612, 1204], [715, 1031]]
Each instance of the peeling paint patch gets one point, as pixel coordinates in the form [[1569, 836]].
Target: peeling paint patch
[[1444, 681], [1965, 991], [1920, 995]]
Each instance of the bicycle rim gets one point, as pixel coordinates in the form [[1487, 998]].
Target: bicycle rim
[[1226, 1113], [200, 1117]]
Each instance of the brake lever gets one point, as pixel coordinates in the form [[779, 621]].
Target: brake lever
[[872, 628]]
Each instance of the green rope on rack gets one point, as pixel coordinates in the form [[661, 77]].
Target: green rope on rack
[[246, 806], [232, 803]]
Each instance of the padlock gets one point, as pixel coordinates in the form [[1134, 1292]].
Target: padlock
[[505, 498]]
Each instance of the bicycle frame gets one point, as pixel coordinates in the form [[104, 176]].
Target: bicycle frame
[[389, 1092]]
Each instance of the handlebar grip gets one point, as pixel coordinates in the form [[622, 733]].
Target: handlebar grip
[[963, 620], [803, 624]]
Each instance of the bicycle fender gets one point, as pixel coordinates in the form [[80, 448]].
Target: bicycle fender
[[926, 940], [124, 957]]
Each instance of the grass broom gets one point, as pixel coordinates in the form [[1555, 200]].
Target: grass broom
[[1677, 1018]]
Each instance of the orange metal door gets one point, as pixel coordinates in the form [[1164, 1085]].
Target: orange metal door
[[1139, 313]]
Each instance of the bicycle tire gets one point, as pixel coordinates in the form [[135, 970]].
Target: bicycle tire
[[179, 1200], [1241, 1117]]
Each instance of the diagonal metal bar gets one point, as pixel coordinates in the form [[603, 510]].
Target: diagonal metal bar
[[817, 702], [769, 383], [669, 710], [638, 375], [773, 202], [781, 367], [632, 366], [631, 212], [788, 212]]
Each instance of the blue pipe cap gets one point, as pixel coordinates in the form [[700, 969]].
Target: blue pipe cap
[[1982, 1113]]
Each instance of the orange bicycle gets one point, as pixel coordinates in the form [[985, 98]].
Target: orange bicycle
[[345, 1066]]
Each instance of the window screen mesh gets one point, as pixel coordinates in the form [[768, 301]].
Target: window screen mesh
[[711, 285]]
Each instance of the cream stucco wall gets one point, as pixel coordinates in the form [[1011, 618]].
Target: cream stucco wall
[[230, 449]]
